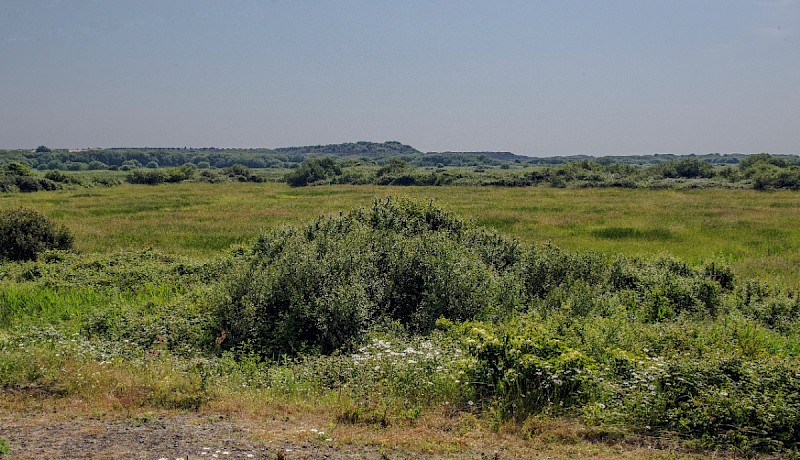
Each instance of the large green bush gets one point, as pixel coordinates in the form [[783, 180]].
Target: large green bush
[[24, 233], [18, 177], [656, 346], [314, 170], [321, 287]]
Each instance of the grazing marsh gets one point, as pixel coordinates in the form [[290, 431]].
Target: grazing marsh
[[757, 233], [384, 314]]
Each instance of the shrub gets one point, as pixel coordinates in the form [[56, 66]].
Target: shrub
[[24, 233], [95, 165], [242, 173], [688, 168], [208, 175], [179, 174], [321, 287], [18, 177], [761, 158], [146, 176], [545, 266], [56, 176], [314, 170], [17, 169], [395, 166], [521, 370], [718, 400]]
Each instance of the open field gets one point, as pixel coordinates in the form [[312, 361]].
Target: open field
[[757, 233], [401, 330]]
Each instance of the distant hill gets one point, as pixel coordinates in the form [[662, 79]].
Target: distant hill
[[502, 156], [379, 153], [350, 148]]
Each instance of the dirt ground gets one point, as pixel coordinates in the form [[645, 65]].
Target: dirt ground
[[187, 437], [155, 437], [44, 428]]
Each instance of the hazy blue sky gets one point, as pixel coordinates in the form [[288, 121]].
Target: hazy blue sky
[[533, 77]]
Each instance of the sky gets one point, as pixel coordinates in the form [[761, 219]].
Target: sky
[[534, 77]]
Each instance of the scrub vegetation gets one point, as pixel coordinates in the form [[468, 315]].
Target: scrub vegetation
[[393, 311], [389, 163]]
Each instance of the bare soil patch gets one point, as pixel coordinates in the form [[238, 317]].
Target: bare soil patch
[[59, 428]]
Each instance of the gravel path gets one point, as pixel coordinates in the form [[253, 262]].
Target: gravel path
[[169, 437]]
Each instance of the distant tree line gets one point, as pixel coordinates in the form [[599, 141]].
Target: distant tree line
[[130, 159], [126, 159], [762, 171], [393, 163]]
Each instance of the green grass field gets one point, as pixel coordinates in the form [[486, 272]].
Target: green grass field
[[757, 233], [404, 316]]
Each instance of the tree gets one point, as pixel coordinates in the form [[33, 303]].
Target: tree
[[43, 149]]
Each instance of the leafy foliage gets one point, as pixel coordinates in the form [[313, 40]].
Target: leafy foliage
[[401, 307], [393, 163], [321, 287], [25, 233], [19, 177], [158, 176], [314, 171]]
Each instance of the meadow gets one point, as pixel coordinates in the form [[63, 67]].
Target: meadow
[[450, 320], [757, 233]]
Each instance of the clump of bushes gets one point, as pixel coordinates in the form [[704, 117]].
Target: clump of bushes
[[241, 173], [655, 345], [17, 177], [25, 233], [314, 171], [719, 399], [320, 288], [520, 369], [57, 176], [403, 306], [158, 176]]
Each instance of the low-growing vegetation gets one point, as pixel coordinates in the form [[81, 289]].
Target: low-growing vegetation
[[399, 309]]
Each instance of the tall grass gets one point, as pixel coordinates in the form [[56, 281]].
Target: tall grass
[[758, 233]]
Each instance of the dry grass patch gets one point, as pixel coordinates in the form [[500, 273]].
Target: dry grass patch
[[295, 427]]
